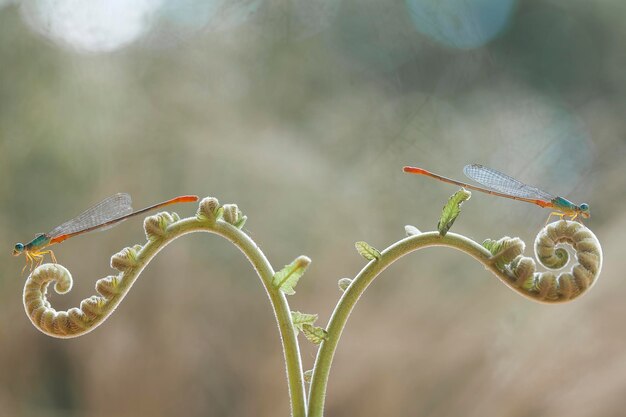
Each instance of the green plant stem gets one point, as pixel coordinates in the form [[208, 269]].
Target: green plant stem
[[347, 302], [278, 300], [506, 263]]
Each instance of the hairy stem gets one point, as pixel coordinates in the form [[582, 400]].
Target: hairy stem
[[350, 297], [504, 260], [281, 311], [162, 229], [502, 257]]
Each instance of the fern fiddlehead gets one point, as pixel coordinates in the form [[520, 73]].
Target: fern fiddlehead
[[502, 257]]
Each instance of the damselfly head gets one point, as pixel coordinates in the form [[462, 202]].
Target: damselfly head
[[584, 210], [18, 249]]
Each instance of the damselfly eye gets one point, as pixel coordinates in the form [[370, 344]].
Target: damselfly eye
[[18, 249], [584, 207]]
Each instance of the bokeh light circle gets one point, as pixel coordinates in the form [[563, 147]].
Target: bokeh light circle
[[463, 24], [90, 26]]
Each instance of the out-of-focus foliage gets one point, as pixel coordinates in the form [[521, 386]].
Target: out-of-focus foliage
[[303, 112]]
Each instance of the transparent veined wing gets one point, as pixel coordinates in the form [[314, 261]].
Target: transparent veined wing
[[502, 183], [111, 208]]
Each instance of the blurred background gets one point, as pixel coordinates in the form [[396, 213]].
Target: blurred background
[[303, 112]]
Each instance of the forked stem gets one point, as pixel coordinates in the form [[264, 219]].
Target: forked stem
[[161, 230], [503, 258], [339, 317]]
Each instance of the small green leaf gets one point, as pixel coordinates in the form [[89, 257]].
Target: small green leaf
[[241, 222], [344, 283], [504, 251], [492, 246], [287, 278], [451, 210], [299, 319], [368, 252], [316, 335], [308, 375]]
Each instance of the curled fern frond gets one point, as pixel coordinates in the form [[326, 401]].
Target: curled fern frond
[[568, 285], [160, 230], [63, 324], [233, 215], [108, 286], [209, 209], [156, 226], [125, 260], [505, 250]]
